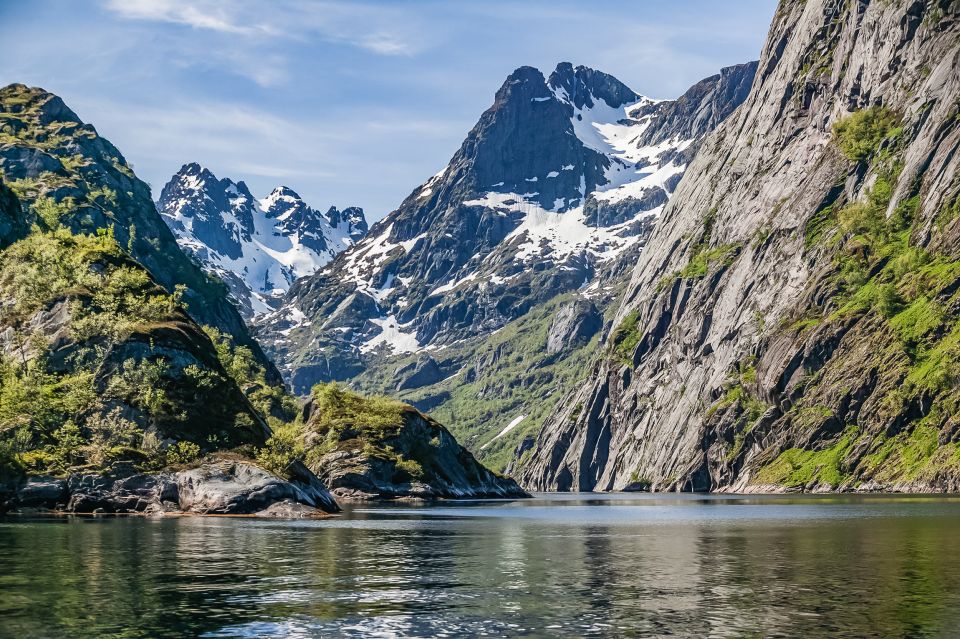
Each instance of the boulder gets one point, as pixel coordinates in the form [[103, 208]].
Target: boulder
[[236, 487], [575, 323]]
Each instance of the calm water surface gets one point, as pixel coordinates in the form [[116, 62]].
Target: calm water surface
[[556, 566]]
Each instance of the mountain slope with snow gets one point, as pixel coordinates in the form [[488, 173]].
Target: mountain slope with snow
[[258, 247], [558, 179]]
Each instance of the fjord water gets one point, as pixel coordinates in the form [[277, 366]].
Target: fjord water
[[558, 565]]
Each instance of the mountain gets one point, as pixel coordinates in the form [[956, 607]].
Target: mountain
[[48, 153], [379, 448], [257, 247], [541, 210], [792, 323], [112, 397]]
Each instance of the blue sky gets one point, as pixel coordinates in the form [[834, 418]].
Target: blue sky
[[348, 103]]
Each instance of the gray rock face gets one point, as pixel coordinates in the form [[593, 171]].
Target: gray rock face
[[703, 107], [40, 490], [12, 225], [424, 371], [716, 382], [576, 322], [229, 488], [218, 487]]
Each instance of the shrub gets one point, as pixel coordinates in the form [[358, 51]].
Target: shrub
[[859, 135], [283, 449], [182, 453], [409, 467], [625, 338]]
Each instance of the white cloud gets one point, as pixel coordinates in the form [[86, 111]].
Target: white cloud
[[197, 15], [380, 30]]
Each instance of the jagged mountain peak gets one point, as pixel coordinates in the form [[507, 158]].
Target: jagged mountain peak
[[283, 202], [581, 85], [549, 186], [258, 247]]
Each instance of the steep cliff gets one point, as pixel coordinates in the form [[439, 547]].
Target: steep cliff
[[793, 321]]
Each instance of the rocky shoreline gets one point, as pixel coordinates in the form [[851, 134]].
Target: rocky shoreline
[[215, 487]]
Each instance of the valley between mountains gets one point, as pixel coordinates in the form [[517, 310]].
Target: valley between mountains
[[752, 287]]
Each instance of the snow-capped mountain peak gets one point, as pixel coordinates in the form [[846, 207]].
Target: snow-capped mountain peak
[[258, 247]]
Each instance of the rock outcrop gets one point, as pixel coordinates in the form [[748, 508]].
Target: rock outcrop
[[216, 487], [375, 448], [48, 154], [791, 324]]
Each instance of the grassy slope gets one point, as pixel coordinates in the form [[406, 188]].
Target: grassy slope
[[518, 377]]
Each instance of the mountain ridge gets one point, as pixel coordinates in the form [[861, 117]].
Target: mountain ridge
[[257, 246], [541, 211]]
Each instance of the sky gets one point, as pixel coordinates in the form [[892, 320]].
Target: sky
[[348, 103]]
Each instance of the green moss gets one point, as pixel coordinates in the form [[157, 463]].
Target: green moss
[[701, 262], [796, 467], [625, 337], [938, 368], [912, 455], [859, 135], [918, 320]]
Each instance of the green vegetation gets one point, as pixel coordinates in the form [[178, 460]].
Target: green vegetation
[[640, 482], [344, 420], [284, 448], [749, 409], [860, 134], [338, 409], [54, 421], [701, 262], [502, 376], [625, 337], [704, 256], [797, 467], [64, 411], [105, 193], [903, 296], [273, 401]]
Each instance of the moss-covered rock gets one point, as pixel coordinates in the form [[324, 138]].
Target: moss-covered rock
[[377, 448]]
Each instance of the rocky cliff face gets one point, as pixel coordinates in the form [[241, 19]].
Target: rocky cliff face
[[257, 247], [792, 323], [519, 248]]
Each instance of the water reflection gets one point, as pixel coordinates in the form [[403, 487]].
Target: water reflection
[[637, 565]]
